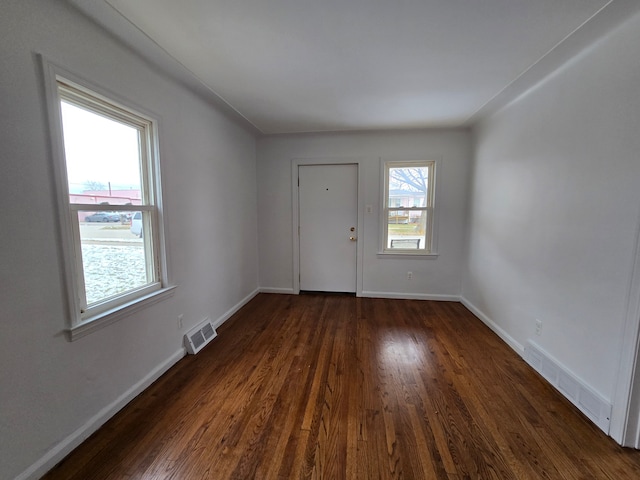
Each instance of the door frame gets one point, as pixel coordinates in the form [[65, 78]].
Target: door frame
[[296, 163], [625, 414]]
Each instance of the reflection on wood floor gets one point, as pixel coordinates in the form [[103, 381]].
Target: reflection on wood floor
[[338, 387]]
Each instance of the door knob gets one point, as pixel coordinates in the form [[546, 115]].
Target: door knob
[[353, 239]]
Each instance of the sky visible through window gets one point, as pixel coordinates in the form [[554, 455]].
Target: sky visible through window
[[103, 154], [100, 152]]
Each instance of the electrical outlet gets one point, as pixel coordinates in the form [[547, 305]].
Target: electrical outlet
[[538, 327], [369, 209], [409, 275], [180, 317]]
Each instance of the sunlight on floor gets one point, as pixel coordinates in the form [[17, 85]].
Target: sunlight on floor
[[400, 348]]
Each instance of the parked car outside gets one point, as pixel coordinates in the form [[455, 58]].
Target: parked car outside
[[102, 217], [136, 224]]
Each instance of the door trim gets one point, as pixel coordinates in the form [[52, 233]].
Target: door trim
[[625, 415], [295, 220]]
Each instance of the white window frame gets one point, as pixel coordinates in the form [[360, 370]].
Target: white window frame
[[429, 208], [62, 84]]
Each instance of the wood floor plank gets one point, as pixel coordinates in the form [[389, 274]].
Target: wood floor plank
[[337, 387]]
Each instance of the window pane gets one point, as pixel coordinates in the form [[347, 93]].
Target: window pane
[[408, 186], [113, 255], [102, 158], [406, 229]]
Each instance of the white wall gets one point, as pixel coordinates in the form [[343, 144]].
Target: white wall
[[553, 217], [554, 211], [381, 276], [49, 387]]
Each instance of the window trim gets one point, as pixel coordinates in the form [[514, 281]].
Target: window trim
[[80, 322], [430, 235]]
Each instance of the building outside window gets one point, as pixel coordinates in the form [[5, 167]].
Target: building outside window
[[408, 211], [107, 177]]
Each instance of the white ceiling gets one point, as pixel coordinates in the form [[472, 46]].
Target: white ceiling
[[330, 65]]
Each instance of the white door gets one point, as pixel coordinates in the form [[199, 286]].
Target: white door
[[328, 220]]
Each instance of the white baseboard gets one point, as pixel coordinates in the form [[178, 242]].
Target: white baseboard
[[588, 401], [227, 315], [508, 339], [411, 296], [63, 448], [371, 294], [286, 291]]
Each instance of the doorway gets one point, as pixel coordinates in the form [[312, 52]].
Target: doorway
[[328, 227]]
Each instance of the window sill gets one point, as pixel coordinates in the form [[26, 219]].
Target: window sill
[[103, 319], [426, 256]]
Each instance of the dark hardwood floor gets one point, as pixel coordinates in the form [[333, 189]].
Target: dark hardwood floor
[[338, 387]]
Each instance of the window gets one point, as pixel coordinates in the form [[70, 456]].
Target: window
[[108, 190], [408, 207]]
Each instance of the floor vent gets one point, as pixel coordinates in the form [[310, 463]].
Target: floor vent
[[587, 400], [198, 337]]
